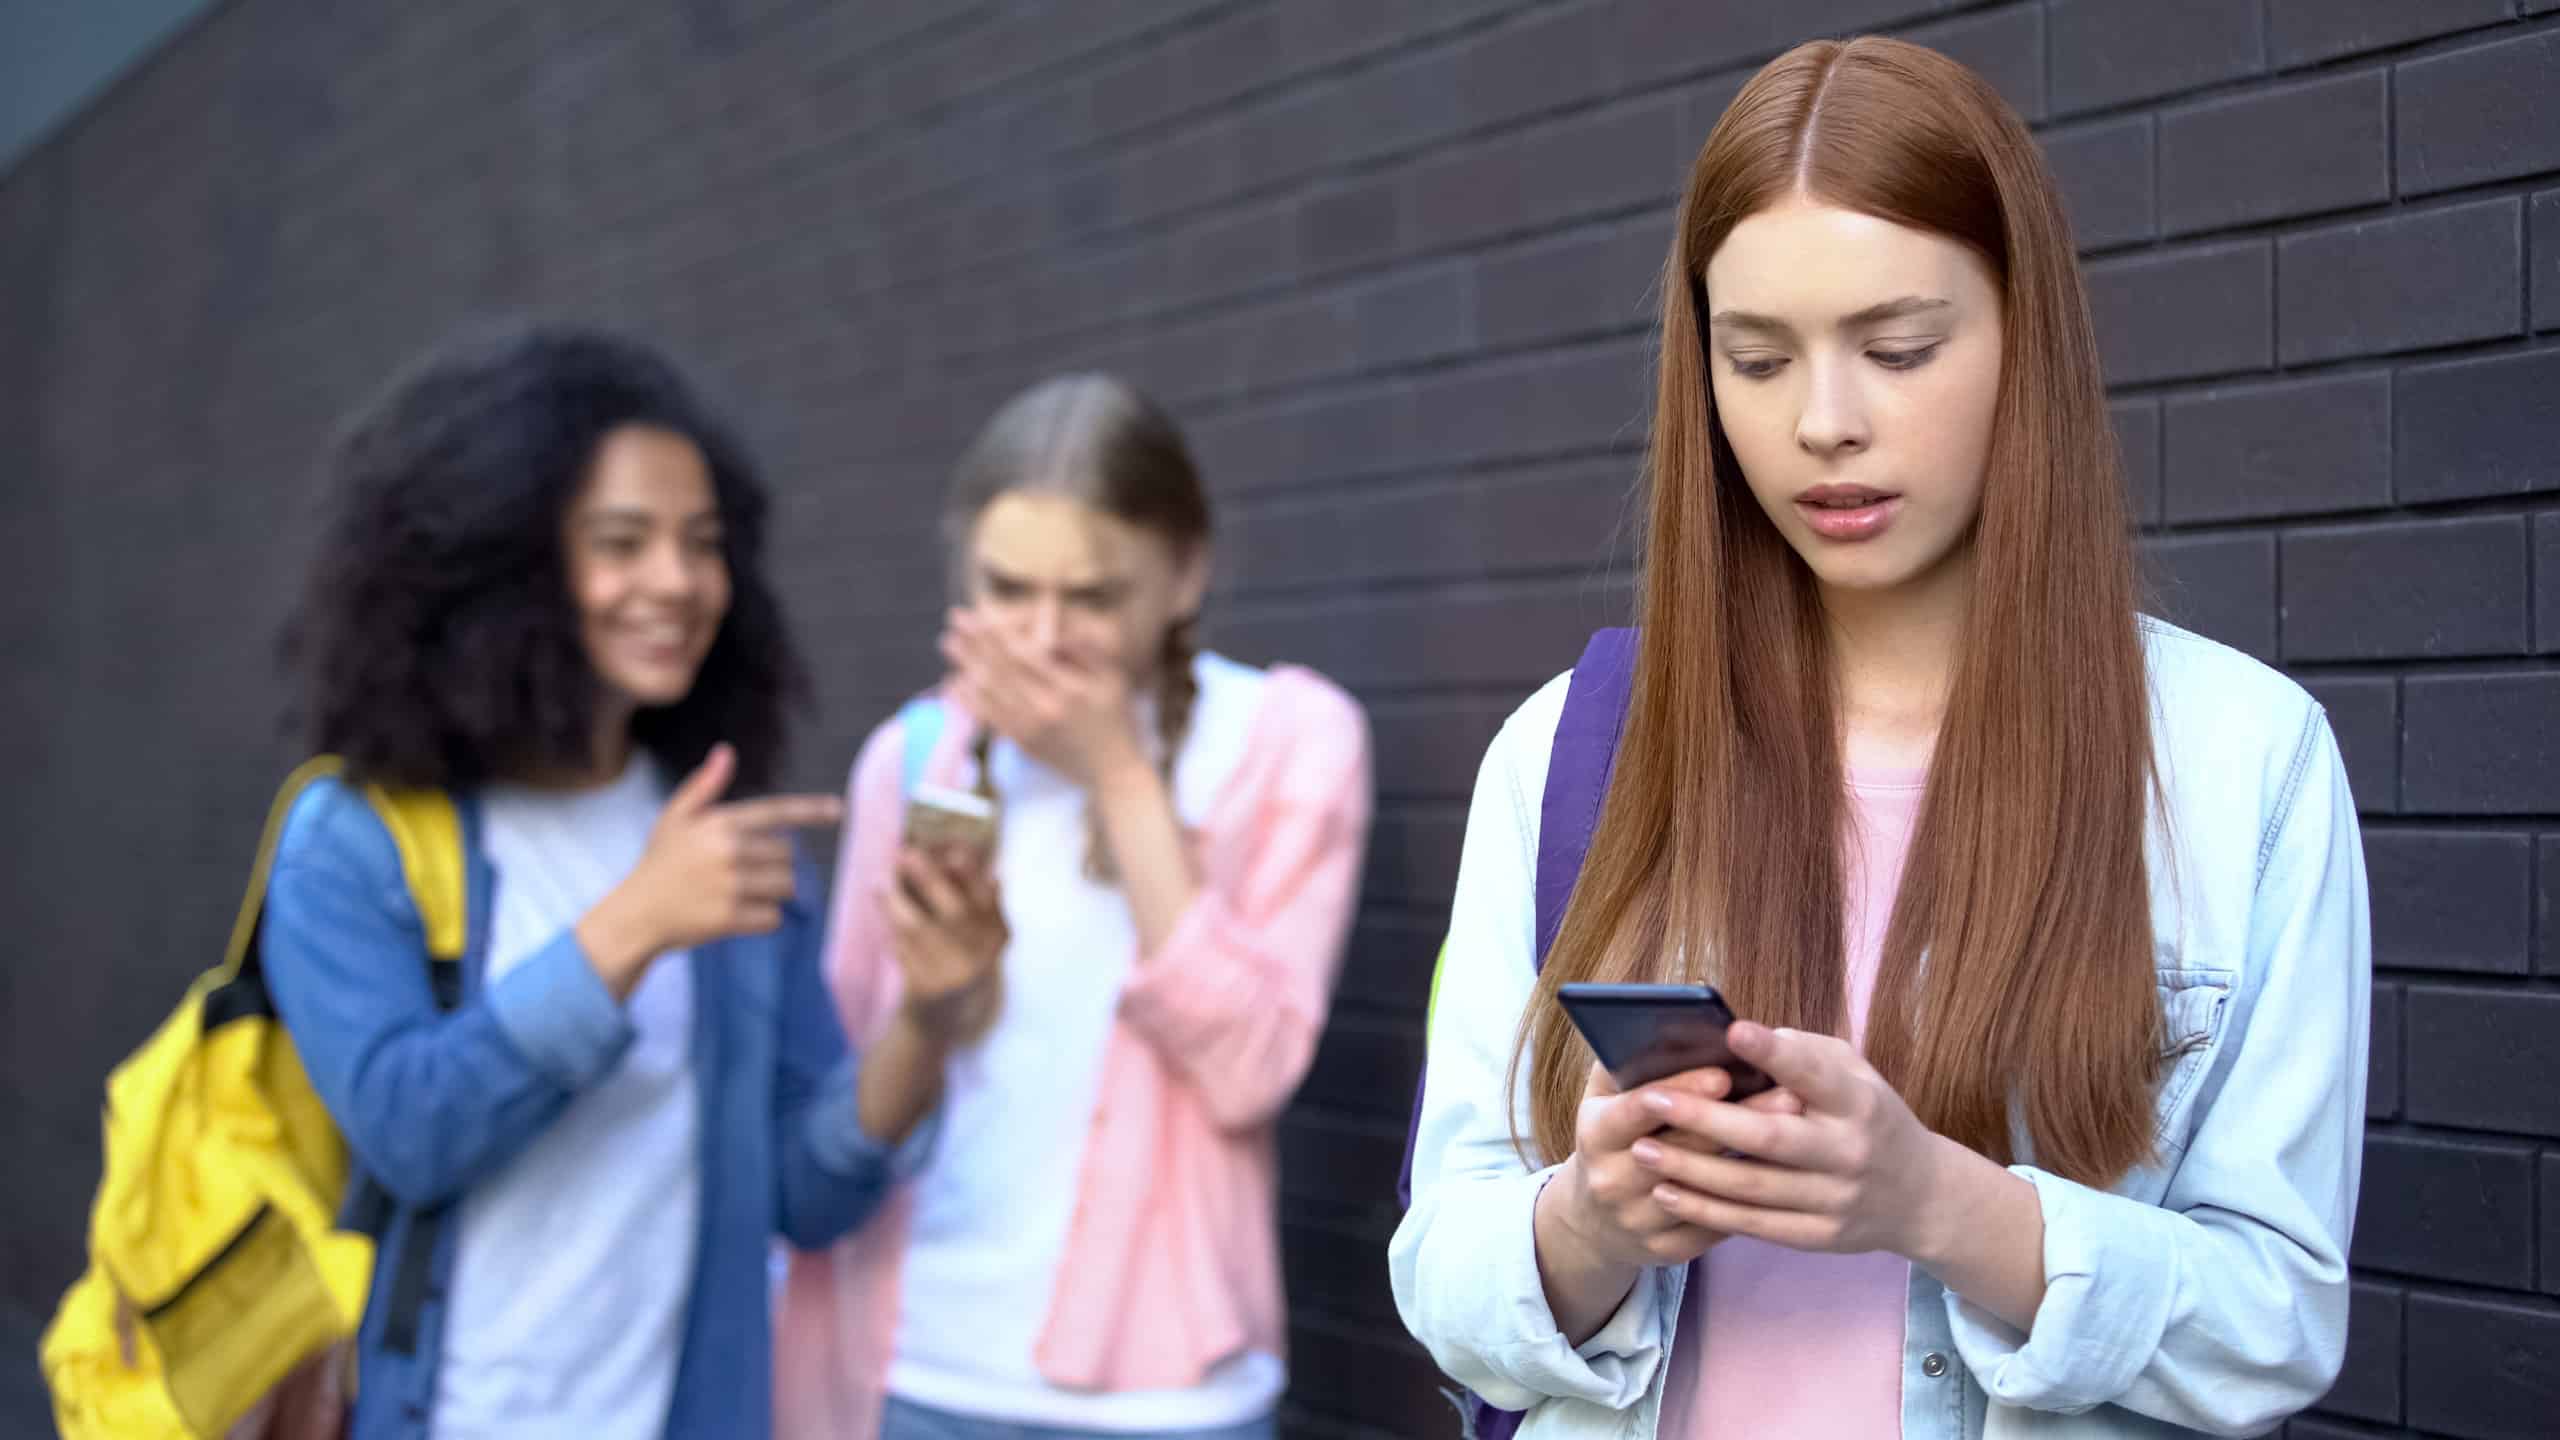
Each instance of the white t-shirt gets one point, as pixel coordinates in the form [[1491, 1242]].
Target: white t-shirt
[[575, 1261], [993, 1203]]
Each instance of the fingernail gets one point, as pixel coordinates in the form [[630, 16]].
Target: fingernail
[[1647, 1153], [1666, 1196], [1657, 1102]]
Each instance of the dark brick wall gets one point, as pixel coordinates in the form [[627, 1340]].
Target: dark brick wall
[[1390, 263]]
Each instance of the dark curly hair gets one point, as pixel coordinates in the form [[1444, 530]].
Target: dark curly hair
[[436, 643]]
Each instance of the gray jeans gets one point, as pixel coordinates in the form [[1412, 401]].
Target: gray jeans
[[906, 1421]]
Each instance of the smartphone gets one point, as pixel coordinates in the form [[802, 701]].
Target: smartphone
[[1644, 1032], [941, 818]]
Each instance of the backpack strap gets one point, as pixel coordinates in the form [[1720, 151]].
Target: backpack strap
[[426, 828], [1579, 763], [920, 726]]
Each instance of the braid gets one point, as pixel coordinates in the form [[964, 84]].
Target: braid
[[1177, 692], [981, 1018], [981, 754]]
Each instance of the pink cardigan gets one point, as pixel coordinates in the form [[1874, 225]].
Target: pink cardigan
[[1172, 1260]]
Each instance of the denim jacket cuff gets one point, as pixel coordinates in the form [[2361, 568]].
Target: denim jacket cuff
[[556, 1010], [2110, 1279], [841, 1146]]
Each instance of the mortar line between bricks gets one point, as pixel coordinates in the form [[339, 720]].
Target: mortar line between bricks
[[2399, 741], [2435, 1288]]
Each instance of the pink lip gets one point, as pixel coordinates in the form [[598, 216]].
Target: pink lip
[[1851, 522]]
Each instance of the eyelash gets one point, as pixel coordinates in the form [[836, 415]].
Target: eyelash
[[1896, 360]]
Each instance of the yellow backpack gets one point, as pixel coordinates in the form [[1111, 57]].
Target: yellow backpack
[[215, 1263]]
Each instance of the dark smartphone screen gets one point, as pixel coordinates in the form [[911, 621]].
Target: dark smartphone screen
[[1644, 1032]]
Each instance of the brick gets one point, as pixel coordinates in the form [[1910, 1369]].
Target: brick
[[1513, 637], [2406, 590], [2481, 744], [2483, 1367], [2547, 906], [2221, 586], [1658, 39], [2105, 53], [1430, 748], [1589, 282], [1413, 857], [1570, 517], [2485, 1059], [2546, 583], [2438, 278], [1388, 969], [1367, 1066], [1415, 315], [2137, 427], [1580, 166], [1537, 62], [2105, 172], [2472, 427], [2487, 113], [2551, 1224], [2546, 260], [1355, 224], [2301, 32], [2383, 1056], [1386, 1385], [1360, 431], [1338, 1272], [2290, 448], [2004, 46], [2447, 1210], [2206, 311], [1550, 403], [1322, 1157], [2292, 150], [2368, 1385], [2364, 715], [2450, 900]]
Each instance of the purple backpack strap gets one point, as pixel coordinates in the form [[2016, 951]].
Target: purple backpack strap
[[1579, 764]]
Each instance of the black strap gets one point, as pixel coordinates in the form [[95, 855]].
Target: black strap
[[414, 1274]]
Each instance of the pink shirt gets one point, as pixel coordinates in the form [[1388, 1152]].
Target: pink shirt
[[1775, 1341], [1173, 1258]]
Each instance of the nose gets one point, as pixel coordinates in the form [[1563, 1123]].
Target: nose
[[1049, 624], [667, 574], [1834, 418]]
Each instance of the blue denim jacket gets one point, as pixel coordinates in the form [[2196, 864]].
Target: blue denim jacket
[[2204, 1293], [432, 1102]]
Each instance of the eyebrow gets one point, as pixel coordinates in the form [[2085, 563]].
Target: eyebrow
[[1908, 305], [634, 515], [1099, 585]]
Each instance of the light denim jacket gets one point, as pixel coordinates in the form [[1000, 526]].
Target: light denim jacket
[[433, 1103], [2204, 1293]]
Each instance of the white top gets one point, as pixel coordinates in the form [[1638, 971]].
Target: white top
[[575, 1260], [993, 1204]]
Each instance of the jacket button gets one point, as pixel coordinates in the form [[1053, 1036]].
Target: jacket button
[[1933, 1364]]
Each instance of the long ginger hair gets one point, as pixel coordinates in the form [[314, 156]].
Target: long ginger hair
[[2017, 982]]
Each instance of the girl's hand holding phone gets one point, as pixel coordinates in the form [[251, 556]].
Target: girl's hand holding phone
[[1852, 1169], [1608, 1198], [1601, 1221], [947, 927]]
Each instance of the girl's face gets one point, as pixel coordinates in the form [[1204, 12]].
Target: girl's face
[[1855, 365], [646, 569], [1078, 585]]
